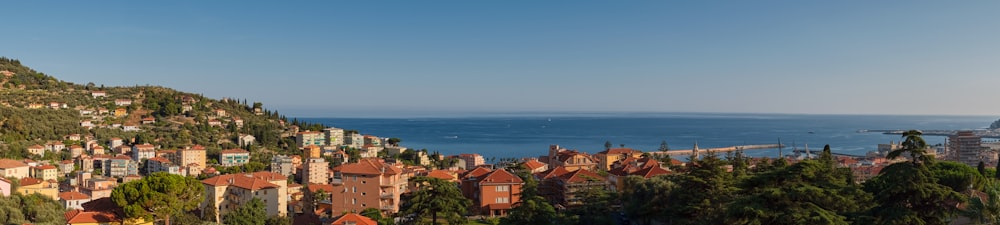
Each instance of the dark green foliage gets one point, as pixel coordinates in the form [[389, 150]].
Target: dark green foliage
[[35, 208], [250, 213], [643, 199], [982, 168], [715, 190], [959, 177], [908, 193], [595, 209], [436, 198], [160, 194], [533, 210], [809, 192]]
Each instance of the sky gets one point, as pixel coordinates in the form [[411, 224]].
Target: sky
[[404, 58]]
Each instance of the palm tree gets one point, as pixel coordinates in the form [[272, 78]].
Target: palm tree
[[913, 144]]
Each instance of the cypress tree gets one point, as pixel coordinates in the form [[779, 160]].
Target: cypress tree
[[982, 168]]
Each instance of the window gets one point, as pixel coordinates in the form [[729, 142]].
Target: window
[[503, 188], [503, 200], [354, 201], [355, 189]]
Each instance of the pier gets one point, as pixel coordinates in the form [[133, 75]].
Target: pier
[[716, 150]]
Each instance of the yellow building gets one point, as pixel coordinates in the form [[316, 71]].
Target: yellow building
[[46, 172], [610, 156], [121, 112], [32, 186], [227, 192]]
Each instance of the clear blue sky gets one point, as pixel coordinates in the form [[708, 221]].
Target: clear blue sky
[[357, 58]]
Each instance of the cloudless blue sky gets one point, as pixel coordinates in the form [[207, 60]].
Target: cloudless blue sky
[[363, 58]]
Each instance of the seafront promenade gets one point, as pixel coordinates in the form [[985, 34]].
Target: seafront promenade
[[717, 150]]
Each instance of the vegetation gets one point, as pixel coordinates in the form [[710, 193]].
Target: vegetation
[[160, 194], [436, 198], [35, 208]]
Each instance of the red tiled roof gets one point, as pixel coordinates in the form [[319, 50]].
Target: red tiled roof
[[10, 163], [79, 216], [499, 176], [368, 166], [534, 164], [72, 195], [36, 147], [477, 172], [160, 159], [234, 151], [30, 181], [269, 176], [45, 167], [197, 147], [619, 151], [553, 172], [239, 180], [441, 174], [313, 188], [124, 157], [581, 175], [357, 219]]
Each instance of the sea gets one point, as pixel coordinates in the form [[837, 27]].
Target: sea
[[530, 135]]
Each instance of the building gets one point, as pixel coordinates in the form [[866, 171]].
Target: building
[[75, 150], [13, 169], [534, 166], [246, 140], [562, 186], [5, 187], [97, 187], [316, 171], [97, 94], [120, 112], [228, 192], [493, 193], [120, 166], [472, 160], [115, 142], [307, 138], [354, 140], [353, 219], [80, 217], [607, 157], [234, 157], [334, 136], [571, 159], [966, 147], [143, 151], [36, 150], [369, 183], [73, 200], [160, 164], [37, 186], [282, 164], [372, 140], [45, 172], [193, 155], [628, 166], [123, 102]]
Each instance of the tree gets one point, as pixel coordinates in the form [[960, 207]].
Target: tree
[[663, 146], [607, 145], [533, 210], [913, 144], [984, 211], [643, 198], [250, 213], [808, 192], [437, 197], [394, 141], [159, 194], [704, 206], [826, 157], [982, 168], [908, 193], [595, 209], [957, 176]]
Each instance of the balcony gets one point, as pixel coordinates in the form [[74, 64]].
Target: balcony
[[386, 195]]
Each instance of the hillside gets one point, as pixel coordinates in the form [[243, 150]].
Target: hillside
[[38, 109]]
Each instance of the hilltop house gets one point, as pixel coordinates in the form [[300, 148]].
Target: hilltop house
[[493, 192]]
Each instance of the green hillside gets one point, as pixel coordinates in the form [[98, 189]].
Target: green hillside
[[36, 109]]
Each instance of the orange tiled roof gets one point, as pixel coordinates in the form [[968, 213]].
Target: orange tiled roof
[[10, 163], [72, 195], [30, 181], [160, 159], [368, 166], [477, 172], [77, 216], [313, 188], [619, 151], [45, 167], [553, 172], [357, 219], [269, 176], [36, 147], [499, 176], [534, 164], [581, 175], [441, 174], [239, 180]]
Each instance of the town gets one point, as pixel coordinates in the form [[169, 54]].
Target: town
[[150, 155]]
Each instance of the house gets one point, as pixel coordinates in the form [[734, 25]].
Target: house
[[43, 187], [97, 150], [220, 112], [643, 167], [148, 120], [186, 108], [472, 160], [534, 166], [73, 137], [75, 150], [282, 164], [87, 124], [143, 151], [227, 192], [246, 140], [160, 164], [86, 112], [55, 146], [443, 174], [607, 157], [73, 200], [115, 142], [353, 219], [123, 102], [80, 217], [66, 166], [562, 186], [54, 105], [98, 186], [103, 111], [130, 127], [98, 94], [13, 169], [370, 151], [194, 155], [35, 106], [493, 193], [45, 172], [120, 112], [36, 150], [5, 187], [316, 171], [215, 123], [234, 157], [571, 159], [369, 183], [238, 121]]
